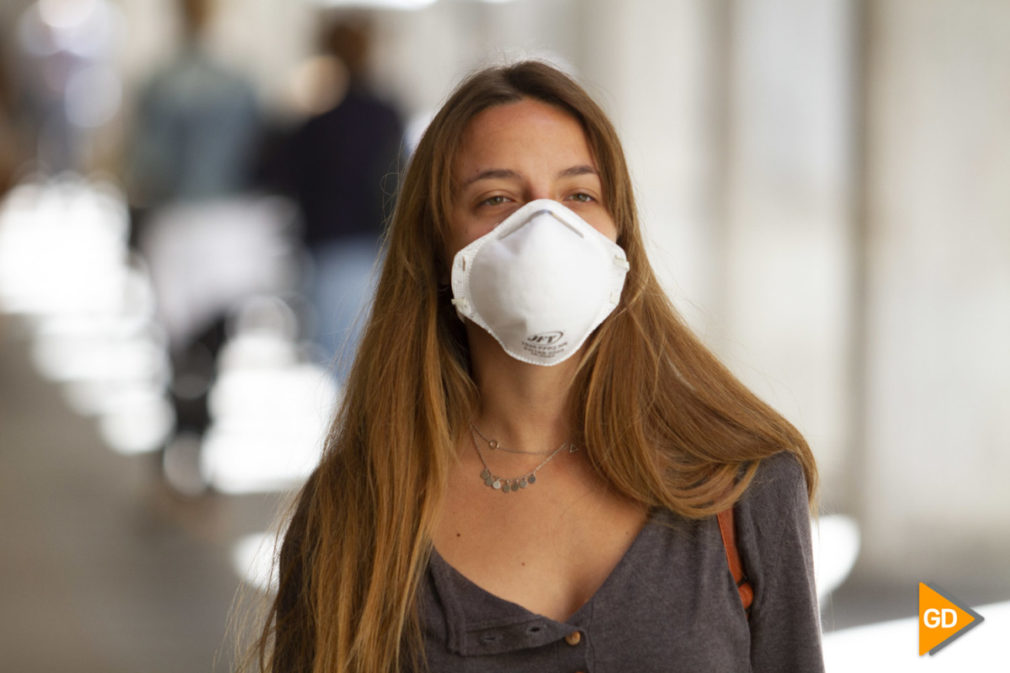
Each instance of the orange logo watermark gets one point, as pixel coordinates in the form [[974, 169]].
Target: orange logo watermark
[[941, 620]]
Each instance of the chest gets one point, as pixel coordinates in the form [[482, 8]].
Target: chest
[[666, 601], [548, 549]]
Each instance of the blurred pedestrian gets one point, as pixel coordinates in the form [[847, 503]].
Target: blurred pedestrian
[[196, 124], [342, 167], [188, 164]]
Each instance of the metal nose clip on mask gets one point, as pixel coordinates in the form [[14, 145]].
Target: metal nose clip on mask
[[540, 282]]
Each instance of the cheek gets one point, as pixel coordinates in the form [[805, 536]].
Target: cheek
[[455, 235], [453, 243], [458, 239], [465, 230], [604, 224]]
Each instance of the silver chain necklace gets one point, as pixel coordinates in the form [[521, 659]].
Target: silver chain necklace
[[522, 481], [495, 446]]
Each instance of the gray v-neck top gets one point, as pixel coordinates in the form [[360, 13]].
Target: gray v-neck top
[[670, 604]]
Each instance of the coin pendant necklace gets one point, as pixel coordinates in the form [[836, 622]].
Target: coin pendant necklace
[[509, 485]]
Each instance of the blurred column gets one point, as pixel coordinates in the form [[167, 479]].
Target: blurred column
[[735, 119], [653, 66], [938, 209], [426, 53], [787, 256]]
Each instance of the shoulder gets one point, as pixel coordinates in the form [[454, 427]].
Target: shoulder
[[773, 524], [779, 480], [774, 511], [773, 531]]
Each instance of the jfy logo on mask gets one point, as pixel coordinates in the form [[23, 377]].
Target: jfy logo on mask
[[545, 344]]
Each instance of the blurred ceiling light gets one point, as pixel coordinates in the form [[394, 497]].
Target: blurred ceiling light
[[206, 257], [836, 547], [244, 355], [93, 96], [254, 559], [63, 250], [259, 459], [100, 358], [272, 435], [137, 420], [390, 4], [85, 28], [65, 14], [299, 391], [180, 464], [375, 4], [34, 36], [270, 413], [268, 317]]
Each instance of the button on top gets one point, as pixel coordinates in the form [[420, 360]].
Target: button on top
[[574, 638]]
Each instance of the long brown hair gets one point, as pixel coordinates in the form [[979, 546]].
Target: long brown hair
[[661, 419]]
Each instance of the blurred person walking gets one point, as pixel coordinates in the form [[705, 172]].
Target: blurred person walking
[[189, 169], [196, 127], [340, 167]]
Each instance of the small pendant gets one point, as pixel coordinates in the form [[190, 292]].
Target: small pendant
[[507, 485]]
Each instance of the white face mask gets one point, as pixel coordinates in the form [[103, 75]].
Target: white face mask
[[540, 282]]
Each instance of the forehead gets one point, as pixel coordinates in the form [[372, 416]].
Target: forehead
[[526, 130]]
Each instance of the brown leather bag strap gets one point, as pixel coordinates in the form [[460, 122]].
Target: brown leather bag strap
[[728, 533]]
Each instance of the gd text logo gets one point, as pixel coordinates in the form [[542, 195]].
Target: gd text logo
[[941, 620]]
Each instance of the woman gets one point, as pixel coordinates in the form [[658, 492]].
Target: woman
[[525, 470]]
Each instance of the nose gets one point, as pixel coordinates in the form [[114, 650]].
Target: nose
[[539, 192]]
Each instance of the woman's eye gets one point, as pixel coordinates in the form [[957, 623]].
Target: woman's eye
[[494, 200], [581, 197]]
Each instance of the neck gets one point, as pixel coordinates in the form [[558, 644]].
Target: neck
[[525, 407]]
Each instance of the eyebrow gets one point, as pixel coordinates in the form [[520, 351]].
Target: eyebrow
[[584, 169], [507, 174]]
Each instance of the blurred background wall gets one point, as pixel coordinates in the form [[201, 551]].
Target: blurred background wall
[[823, 184]]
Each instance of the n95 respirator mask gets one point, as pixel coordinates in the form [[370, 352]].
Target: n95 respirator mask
[[540, 282]]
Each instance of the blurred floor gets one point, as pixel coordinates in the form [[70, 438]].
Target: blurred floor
[[102, 569]]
